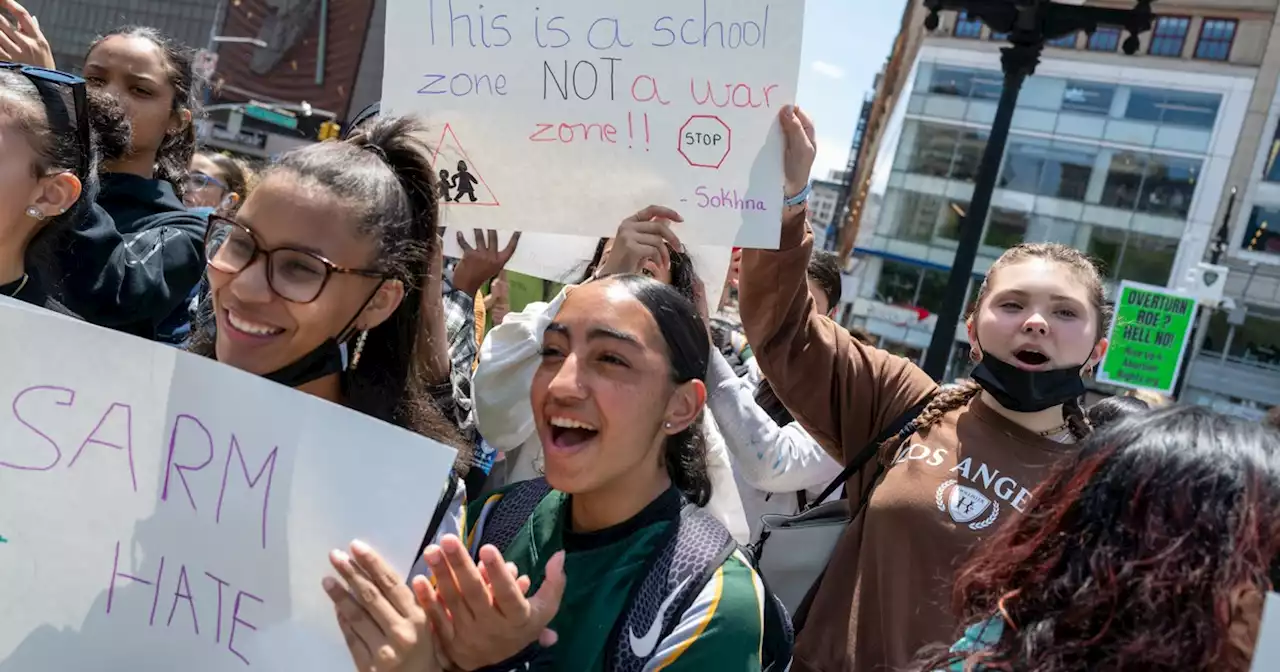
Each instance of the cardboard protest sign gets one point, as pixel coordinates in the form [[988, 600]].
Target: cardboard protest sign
[[565, 116], [1148, 337], [161, 511]]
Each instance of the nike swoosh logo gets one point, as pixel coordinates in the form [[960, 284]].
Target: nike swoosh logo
[[643, 647]]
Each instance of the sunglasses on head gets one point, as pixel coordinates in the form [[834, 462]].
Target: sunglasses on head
[[55, 105]]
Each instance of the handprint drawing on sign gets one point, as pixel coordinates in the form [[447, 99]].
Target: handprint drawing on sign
[[465, 182]]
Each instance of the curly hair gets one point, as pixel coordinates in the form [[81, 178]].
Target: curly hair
[[1150, 550], [950, 398]]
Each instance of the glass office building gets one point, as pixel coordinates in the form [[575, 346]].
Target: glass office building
[[1126, 164]]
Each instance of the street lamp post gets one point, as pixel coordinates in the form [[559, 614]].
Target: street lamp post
[[1029, 24]]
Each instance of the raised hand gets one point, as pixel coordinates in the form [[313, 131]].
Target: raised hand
[[385, 628], [481, 263], [480, 613], [643, 238], [801, 148], [21, 40]]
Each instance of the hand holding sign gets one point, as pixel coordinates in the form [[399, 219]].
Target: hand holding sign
[[643, 243], [801, 148]]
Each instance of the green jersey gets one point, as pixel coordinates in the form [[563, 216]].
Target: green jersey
[[721, 630]]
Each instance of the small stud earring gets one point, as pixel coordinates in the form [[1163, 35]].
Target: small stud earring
[[667, 425], [35, 213], [355, 357]]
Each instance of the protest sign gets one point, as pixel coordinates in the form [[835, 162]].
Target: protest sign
[[565, 116], [161, 511], [1148, 336], [1266, 658]]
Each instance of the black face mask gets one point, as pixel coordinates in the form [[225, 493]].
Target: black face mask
[[323, 361], [1027, 391]]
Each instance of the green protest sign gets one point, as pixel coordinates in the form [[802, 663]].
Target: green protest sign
[[1149, 334]]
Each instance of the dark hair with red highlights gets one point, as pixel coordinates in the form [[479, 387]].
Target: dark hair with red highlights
[[1150, 550]]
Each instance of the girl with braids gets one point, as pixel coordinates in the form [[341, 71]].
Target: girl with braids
[[644, 245], [617, 396], [133, 263], [1151, 549], [316, 282], [969, 461]]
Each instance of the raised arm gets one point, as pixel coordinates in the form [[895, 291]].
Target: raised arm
[[843, 392]]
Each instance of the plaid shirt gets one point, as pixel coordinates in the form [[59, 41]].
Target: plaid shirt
[[460, 324]]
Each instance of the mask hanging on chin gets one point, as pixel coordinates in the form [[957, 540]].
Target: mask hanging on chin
[[329, 358], [1024, 391]]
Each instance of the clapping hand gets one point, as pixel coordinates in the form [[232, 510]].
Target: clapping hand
[[21, 40]]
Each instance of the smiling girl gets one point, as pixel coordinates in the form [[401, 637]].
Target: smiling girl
[[969, 461]]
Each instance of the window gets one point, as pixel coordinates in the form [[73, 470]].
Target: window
[[1216, 36], [980, 84], [952, 218], [1271, 172], [1088, 98], [1263, 234], [1168, 35], [971, 27], [1181, 108], [935, 146], [917, 218], [998, 37], [1104, 38], [1005, 228], [969, 150], [1124, 180], [1133, 256], [1064, 42], [1060, 170], [897, 283], [1168, 186]]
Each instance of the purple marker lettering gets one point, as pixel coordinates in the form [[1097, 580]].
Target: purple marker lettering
[[253, 482], [218, 636], [156, 599], [127, 447], [170, 466], [183, 583], [115, 572], [57, 452], [235, 620]]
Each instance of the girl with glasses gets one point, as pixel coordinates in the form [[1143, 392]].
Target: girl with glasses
[[316, 283], [216, 182]]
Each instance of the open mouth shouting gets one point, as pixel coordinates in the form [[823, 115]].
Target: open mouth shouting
[[569, 436], [1030, 359]]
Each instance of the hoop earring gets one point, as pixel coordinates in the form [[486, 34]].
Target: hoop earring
[[974, 356], [35, 213], [355, 357]]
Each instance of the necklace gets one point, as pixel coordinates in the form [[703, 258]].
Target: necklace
[[22, 284], [1056, 430]]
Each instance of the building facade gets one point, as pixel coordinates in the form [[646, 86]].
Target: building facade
[[824, 206], [1125, 158]]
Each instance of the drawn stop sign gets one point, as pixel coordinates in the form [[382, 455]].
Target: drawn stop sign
[[705, 141]]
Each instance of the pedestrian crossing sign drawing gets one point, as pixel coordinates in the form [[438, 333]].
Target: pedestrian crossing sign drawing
[[459, 177]]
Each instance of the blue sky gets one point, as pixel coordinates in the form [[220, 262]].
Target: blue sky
[[845, 43]]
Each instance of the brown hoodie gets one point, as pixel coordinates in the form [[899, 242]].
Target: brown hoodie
[[887, 590]]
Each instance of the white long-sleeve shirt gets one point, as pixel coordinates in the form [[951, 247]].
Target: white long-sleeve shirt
[[509, 357], [772, 462]]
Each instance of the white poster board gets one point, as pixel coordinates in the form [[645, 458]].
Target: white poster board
[[1266, 658], [565, 116], [161, 511]]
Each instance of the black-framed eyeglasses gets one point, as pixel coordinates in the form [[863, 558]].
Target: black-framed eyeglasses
[[298, 276], [198, 180], [79, 119]]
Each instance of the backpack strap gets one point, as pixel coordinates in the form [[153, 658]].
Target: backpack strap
[[692, 550], [510, 513]]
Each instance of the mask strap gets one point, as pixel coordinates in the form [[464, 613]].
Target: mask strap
[[345, 334]]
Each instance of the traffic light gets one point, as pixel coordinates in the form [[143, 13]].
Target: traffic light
[[329, 131]]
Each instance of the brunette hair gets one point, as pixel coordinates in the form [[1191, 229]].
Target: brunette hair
[[955, 396], [683, 277], [824, 269], [688, 351], [173, 158], [1106, 411], [1145, 551], [383, 175], [46, 116]]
